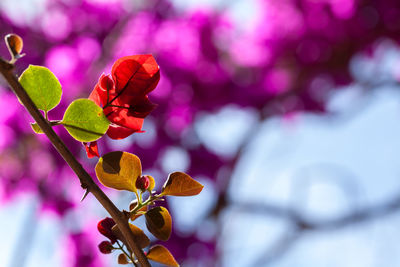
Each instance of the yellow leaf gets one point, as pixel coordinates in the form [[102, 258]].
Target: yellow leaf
[[181, 184], [161, 254], [159, 222], [119, 170], [140, 237], [36, 128]]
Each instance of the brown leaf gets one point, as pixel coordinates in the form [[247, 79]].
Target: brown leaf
[[140, 237], [181, 184], [123, 259], [162, 255], [159, 222]]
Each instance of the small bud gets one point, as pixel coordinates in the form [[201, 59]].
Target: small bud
[[105, 226], [143, 183], [106, 247], [122, 259], [14, 44]]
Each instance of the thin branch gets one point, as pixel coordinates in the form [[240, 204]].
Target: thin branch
[[86, 180], [279, 248], [303, 223]]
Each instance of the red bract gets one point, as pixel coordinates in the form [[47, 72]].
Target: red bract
[[104, 227], [91, 149], [123, 94]]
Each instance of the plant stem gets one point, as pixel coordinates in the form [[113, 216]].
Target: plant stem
[[55, 122], [116, 106], [86, 180], [126, 253], [145, 203]]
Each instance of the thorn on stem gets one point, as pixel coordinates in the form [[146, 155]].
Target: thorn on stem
[[85, 194]]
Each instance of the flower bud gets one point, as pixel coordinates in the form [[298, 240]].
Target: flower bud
[[143, 183], [104, 227], [14, 44], [106, 247]]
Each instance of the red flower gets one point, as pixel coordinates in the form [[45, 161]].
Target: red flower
[[104, 226], [123, 93]]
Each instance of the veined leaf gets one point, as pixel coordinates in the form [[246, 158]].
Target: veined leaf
[[161, 254], [85, 121], [159, 222], [119, 170], [42, 86], [181, 184], [140, 237]]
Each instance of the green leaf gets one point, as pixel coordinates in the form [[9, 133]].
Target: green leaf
[[42, 87], [85, 120], [36, 128], [159, 222], [181, 184]]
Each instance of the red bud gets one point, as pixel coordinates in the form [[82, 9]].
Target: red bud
[[106, 247], [104, 227], [143, 183]]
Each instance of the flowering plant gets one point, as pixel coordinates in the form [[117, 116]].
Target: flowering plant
[[116, 107]]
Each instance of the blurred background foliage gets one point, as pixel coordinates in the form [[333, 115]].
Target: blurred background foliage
[[287, 111]]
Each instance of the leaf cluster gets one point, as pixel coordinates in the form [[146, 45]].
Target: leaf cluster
[[83, 119], [122, 171], [117, 106]]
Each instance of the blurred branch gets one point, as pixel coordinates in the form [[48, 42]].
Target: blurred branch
[[304, 223], [281, 246], [86, 180], [300, 224]]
